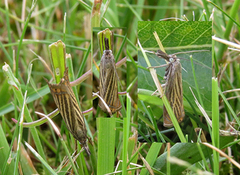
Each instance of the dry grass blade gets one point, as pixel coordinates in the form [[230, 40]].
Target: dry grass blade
[[223, 154], [147, 165]]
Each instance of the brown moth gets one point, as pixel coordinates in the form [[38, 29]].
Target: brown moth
[[173, 88], [108, 86], [68, 107]]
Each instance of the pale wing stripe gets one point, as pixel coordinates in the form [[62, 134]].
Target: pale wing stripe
[[78, 113]]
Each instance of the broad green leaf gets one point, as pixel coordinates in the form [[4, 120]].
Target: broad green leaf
[[188, 152]]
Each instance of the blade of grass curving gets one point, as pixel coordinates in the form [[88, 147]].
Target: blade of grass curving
[[151, 156], [229, 106], [131, 58], [41, 159]]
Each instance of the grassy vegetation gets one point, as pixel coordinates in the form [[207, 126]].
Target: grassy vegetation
[[28, 28]]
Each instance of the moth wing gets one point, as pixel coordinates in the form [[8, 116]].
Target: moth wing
[[68, 107], [108, 85], [174, 93]]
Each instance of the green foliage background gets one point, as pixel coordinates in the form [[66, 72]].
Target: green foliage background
[[23, 28]]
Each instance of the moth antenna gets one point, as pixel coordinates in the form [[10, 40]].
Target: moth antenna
[[149, 51], [184, 69]]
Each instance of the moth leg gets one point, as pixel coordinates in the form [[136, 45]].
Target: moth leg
[[164, 65], [164, 85], [155, 93]]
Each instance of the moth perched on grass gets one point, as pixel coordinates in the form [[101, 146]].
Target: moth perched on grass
[[108, 77], [68, 107], [173, 88]]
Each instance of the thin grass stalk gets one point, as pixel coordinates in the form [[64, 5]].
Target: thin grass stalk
[[181, 8], [47, 167], [10, 55], [46, 141], [121, 48], [203, 157], [20, 134], [126, 125], [83, 63], [69, 156], [158, 133], [131, 58], [146, 120], [229, 107], [71, 75], [196, 83], [215, 124]]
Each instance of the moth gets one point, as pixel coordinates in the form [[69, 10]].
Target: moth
[[68, 107], [173, 88], [108, 87]]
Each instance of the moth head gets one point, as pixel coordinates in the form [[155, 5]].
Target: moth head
[[173, 58], [107, 52]]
